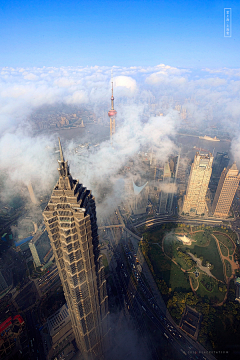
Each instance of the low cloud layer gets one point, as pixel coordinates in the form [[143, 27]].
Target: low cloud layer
[[26, 158]]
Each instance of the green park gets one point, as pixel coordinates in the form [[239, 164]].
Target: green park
[[196, 266]]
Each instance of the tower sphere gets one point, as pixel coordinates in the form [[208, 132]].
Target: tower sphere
[[112, 113]]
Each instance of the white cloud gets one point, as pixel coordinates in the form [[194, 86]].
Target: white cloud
[[30, 76], [224, 71], [24, 90]]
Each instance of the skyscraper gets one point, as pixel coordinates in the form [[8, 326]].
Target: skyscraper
[[220, 162], [226, 190], [194, 201], [166, 196], [70, 219], [167, 191]]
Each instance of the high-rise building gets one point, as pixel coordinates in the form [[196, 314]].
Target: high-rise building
[[71, 223], [139, 198], [31, 193], [226, 190], [166, 196], [220, 162], [194, 201], [167, 191], [40, 248]]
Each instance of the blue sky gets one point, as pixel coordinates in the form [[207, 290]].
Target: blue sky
[[124, 33]]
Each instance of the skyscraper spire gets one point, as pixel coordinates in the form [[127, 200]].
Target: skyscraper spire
[[112, 98], [61, 152], [112, 113], [64, 168]]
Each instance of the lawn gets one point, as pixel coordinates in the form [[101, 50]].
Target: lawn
[[204, 281], [210, 253], [183, 259], [156, 235], [201, 238], [194, 280], [169, 241], [224, 249], [171, 244], [168, 271], [228, 268], [226, 241]]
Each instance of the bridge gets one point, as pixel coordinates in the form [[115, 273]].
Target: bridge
[[161, 220]]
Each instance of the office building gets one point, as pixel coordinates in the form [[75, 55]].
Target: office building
[[220, 162], [137, 196], [40, 248], [60, 330], [194, 202], [167, 189], [71, 223], [226, 190]]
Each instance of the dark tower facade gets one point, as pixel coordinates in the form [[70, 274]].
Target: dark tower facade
[[71, 223], [220, 162]]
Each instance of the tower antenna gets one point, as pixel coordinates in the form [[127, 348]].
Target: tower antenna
[[112, 86], [61, 152]]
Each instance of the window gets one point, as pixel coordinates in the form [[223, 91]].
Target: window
[[80, 265], [69, 248], [84, 326], [76, 244], [84, 291], [71, 257], [90, 322], [75, 280], [73, 268], [80, 308], [78, 254], [82, 276]]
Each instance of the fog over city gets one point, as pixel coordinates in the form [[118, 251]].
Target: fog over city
[[119, 180], [26, 156]]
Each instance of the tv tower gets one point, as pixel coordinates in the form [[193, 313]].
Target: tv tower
[[112, 113]]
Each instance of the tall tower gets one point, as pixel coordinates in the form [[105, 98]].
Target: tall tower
[[165, 196], [112, 114], [220, 162], [226, 190], [194, 201], [71, 223], [31, 193]]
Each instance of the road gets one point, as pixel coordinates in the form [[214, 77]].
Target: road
[[35, 340], [140, 299], [150, 300], [158, 313]]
